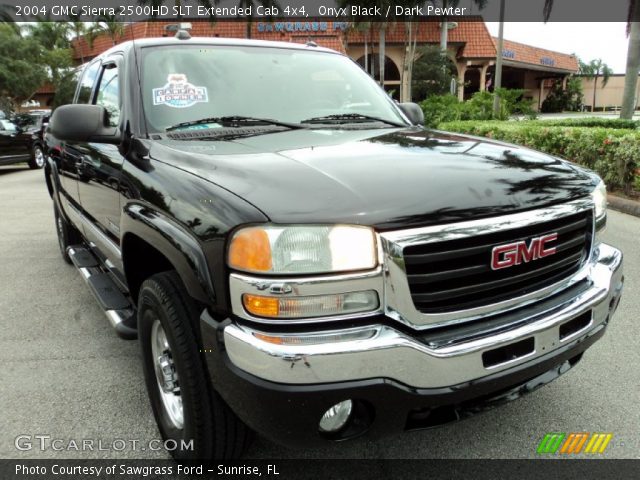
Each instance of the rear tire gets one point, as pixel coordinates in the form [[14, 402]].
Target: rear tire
[[67, 234], [37, 157], [185, 405]]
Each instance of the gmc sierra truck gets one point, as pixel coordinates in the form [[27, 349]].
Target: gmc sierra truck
[[297, 256]]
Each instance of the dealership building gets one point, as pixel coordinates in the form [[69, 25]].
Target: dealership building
[[470, 47]]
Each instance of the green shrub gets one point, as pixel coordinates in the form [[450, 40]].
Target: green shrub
[[560, 99], [432, 73], [512, 102], [446, 108], [591, 122], [478, 107], [441, 108], [614, 153]]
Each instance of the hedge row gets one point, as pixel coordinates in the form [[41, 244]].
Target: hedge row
[[588, 122], [614, 153]]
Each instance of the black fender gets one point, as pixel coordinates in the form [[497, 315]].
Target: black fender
[[173, 241], [52, 180]]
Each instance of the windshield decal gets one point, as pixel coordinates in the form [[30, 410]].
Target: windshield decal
[[179, 93]]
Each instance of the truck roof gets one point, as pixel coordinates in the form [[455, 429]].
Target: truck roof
[[165, 41]]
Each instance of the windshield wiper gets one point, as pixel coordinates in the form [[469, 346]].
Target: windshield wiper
[[344, 118], [237, 121]]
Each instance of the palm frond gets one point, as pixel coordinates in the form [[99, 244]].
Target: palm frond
[[546, 11]]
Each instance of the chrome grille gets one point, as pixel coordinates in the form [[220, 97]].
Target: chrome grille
[[456, 274]]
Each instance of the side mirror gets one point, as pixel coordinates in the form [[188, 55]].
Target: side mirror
[[413, 112], [82, 123]]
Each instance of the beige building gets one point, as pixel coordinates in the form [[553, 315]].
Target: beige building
[[608, 97], [470, 47], [473, 51]]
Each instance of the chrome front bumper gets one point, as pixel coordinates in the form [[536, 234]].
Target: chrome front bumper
[[381, 351]]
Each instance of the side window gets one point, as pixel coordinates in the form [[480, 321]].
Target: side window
[[109, 94], [86, 84], [7, 126]]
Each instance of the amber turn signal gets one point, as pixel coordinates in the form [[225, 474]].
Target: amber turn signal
[[250, 250], [261, 306], [312, 306]]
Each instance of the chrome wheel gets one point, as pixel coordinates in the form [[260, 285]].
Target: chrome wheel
[[166, 375], [38, 156]]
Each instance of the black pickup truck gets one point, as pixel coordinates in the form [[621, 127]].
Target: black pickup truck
[[21, 138], [298, 257]]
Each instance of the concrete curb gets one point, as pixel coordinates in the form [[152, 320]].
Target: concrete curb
[[624, 205]]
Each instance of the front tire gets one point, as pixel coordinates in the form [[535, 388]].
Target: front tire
[[187, 409], [37, 157]]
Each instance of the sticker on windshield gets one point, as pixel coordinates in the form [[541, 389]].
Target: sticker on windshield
[[179, 93]]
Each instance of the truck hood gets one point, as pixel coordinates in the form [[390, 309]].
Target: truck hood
[[386, 178]]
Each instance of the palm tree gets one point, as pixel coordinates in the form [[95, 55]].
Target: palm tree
[[382, 26], [411, 44], [110, 26], [633, 61], [633, 55], [79, 30], [50, 34], [498, 74], [56, 52], [6, 18], [444, 26], [382, 46], [594, 69], [365, 29], [253, 4]]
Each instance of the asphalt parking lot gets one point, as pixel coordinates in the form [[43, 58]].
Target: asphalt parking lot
[[65, 374]]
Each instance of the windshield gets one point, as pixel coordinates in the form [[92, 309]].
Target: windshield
[[189, 83]]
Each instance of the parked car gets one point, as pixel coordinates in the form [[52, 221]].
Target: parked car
[[299, 257], [22, 138]]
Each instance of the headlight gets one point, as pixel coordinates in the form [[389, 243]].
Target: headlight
[[302, 249], [599, 196]]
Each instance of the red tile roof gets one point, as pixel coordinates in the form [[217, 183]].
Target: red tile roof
[[201, 29], [521, 53], [47, 88], [471, 36]]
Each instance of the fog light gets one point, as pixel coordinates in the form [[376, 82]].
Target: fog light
[[336, 417], [312, 306]]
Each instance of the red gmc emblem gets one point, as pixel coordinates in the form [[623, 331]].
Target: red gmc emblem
[[504, 256]]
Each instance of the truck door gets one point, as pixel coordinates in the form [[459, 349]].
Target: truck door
[[99, 170], [68, 155], [14, 145]]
